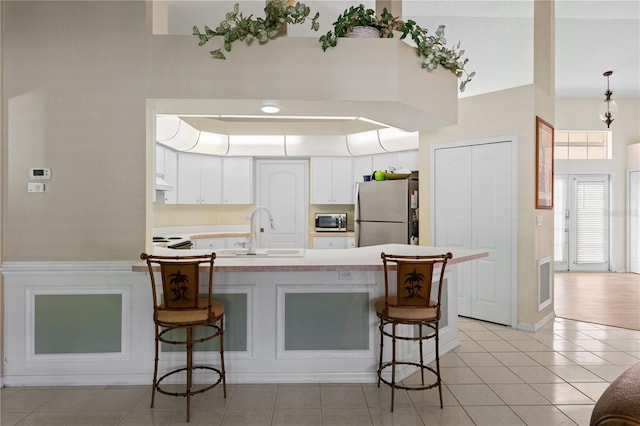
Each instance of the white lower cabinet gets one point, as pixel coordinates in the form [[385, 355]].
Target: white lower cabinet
[[220, 243], [333, 242]]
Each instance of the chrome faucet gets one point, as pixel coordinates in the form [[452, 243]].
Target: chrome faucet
[[252, 239]]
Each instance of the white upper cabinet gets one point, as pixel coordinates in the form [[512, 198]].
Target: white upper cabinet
[[199, 179], [237, 180], [210, 179], [331, 180]]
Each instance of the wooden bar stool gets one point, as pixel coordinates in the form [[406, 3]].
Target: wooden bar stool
[[179, 311], [411, 305]]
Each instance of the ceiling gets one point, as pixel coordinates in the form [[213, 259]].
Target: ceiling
[[591, 37]]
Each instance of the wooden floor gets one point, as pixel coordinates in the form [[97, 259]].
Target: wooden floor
[[602, 298]]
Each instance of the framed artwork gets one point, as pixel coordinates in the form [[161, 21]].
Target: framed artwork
[[544, 164]]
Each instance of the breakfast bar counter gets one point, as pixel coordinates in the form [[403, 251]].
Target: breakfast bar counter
[[291, 316], [307, 315]]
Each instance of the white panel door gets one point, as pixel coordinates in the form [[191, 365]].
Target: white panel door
[[490, 222], [452, 212], [283, 189], [634, 222], [472, 208]]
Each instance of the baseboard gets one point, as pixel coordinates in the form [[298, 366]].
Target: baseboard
[[538, 325]]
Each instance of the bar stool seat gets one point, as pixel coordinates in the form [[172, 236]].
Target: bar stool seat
[[411, 305], [179, 313]]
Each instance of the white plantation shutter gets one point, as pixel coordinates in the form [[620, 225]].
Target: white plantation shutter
[[591, 220]]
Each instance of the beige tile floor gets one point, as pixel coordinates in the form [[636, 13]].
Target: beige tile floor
[[498, 376]]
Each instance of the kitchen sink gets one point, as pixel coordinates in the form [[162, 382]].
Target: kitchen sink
[[268, 252]]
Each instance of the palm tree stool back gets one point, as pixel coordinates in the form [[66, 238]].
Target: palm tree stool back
[[411, 305], [179, 311]]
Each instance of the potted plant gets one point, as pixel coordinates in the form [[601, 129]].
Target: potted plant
[[432, 48], [236, 26]]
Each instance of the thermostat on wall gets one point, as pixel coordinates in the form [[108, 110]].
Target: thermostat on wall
[[40, 173]]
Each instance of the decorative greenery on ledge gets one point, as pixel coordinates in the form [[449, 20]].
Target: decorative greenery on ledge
[[432, 48], [278, 13], [235, 26]]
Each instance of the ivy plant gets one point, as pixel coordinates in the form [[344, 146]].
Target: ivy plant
[[237, 26], [432, 48]]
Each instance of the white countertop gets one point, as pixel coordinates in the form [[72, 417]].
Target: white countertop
[[361, 258]]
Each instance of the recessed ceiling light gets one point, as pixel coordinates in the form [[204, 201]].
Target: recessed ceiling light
[[270, 109]]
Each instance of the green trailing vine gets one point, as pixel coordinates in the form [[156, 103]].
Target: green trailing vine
[[236, 26], [432, 48]]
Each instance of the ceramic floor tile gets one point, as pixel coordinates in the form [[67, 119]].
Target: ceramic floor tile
[[496, 375], [479, 359], [542, 415], [585, 358], [618, 358], [11, 419], [561, 393], [511, 334], [346, 416], [431, 398], [342, 396], [594, 345], [518, 394], [451, 359], [607, 372], [121, 398], [574, 373], [381, 396], [71, 399], [46, 418], [592, 390], [298, 397], [550, 358], [580, 414], [475, 395], [458, 375], [530, 346], [249, 417], [494, 416], [157, 417], [515, 359], [469, 346], [562, 345], [297, 417], [497, 346], [253, 397], [27, 399], [535, 374], [447, 416], [479, 335], [400, 416], [626, 345]]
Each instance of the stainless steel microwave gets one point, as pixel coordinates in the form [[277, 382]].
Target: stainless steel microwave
[[331, 222]]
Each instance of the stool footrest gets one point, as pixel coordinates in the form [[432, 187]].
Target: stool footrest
[[189, 391], [400, 385]]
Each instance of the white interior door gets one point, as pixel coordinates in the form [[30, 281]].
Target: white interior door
[[634, 221], [473, 208], [283, 189]]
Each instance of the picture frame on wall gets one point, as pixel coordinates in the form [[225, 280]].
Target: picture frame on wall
[[544, 164]]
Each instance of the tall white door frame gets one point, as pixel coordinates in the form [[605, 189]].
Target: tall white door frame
[[633, 221], [283, 188], [491, 285]]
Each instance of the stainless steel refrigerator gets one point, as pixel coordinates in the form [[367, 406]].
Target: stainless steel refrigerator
[[386, 212]]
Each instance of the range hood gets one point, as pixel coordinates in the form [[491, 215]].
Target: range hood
[[162, 185]]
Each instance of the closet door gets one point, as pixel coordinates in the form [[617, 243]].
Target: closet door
[[473, 208], [452, 212], [491, 230]]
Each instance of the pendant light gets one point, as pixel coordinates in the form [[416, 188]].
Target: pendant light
[[608, 107]]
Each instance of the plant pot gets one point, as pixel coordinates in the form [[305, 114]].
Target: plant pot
[[364, 32]]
